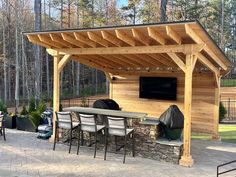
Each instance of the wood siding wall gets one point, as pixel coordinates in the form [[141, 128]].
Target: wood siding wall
[[227, 93], [125, 90]]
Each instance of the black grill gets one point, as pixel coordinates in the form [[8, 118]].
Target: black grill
[[106, 104]]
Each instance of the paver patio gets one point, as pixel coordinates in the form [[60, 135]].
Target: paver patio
[[25, 155]]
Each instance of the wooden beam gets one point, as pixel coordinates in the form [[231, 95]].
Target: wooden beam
[[56, 93], [84, 40], [186, 158], [59, 40], [173, 35], [54, 52], [124, 37], [47, 40], [156, 36], [72, 40], [194, 62], [112, 39], [63, 62], [141, 37], [178, 61], [191, 33], [215, 135], [34, 39], [207, 63], [185, 48], [94, 37]]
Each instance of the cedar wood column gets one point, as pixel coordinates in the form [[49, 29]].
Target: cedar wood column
[[56, 92], [215, 135], [186, 159]]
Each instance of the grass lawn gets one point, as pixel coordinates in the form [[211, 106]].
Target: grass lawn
[[227, 134]]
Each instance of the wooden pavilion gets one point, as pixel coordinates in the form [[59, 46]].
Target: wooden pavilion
[[175, 49]]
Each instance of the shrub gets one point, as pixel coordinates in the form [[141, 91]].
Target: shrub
[[24, 111], [3, 107], [42, 106], [84, 102], [32, 106], [35, 118], [222, 112]]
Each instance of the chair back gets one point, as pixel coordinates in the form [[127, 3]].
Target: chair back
[[64, 120], [117, 126], [88, 122]]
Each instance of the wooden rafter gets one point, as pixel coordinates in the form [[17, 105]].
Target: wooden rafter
[[173, 35], [60, 40], [110, 58], [141, 37], [124, 37], [156, 36], [34, 39], [72, 40], [94, 37], [191, 33], [47, 40], [185, 48], [112, 39], [124, 60], [84, 40]]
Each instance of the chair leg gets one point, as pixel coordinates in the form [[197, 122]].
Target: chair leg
[[70, 140], [133, 137], [78, 142], [125, 149], [4, 135], [106, 138], [82, 138], [95, 149], [116, 143], [54, 144]]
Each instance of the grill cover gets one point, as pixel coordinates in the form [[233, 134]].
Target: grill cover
[[172, 118], [106, 104]]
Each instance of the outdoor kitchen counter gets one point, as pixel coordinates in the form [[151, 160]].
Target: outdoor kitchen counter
[[106, 112]]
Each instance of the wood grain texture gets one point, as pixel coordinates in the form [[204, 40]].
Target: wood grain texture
[[126, 92]]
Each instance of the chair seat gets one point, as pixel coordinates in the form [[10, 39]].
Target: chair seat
[[67, 125], [91, 128], [120, 132]]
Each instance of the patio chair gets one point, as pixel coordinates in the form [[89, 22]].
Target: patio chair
[[64, 121], [89, 124], [117, 126], [2, 127]]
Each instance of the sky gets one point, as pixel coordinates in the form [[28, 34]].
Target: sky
[[122, 2]]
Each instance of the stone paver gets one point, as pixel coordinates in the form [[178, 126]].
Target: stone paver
[[23, 155]]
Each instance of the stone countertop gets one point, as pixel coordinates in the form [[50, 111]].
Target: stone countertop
[[150, 121], [165, 141]]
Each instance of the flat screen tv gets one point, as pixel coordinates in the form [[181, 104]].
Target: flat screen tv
[[163, 88]]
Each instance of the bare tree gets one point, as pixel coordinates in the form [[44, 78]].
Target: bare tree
[[163, 10]]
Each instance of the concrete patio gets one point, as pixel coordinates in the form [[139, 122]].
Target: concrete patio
[[25, 155]]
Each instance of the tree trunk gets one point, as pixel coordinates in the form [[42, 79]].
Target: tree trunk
[[163, 10], [37, 9]]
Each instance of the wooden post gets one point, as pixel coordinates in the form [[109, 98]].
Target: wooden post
[[186, 159], [215, 135], [56, 92]]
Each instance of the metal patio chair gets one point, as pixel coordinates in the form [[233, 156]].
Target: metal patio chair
[[89, 124], [2, 127], [117, 126], [64, 121]]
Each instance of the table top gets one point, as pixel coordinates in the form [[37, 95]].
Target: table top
[[106, 112]]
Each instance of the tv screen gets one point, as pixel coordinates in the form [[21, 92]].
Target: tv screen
[[163, 88]]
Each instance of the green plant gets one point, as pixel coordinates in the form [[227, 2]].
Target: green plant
[[3, 107], [42, 106], [84, 102], [35, 118], [222, 112], [24, 111], [32, 106]]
